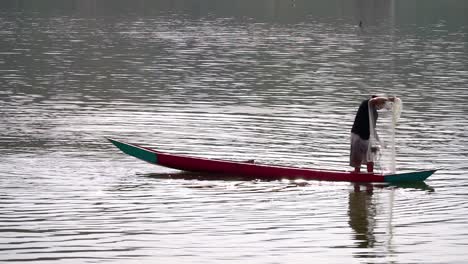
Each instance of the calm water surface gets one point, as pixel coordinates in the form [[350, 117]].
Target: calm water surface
[[275, 81]]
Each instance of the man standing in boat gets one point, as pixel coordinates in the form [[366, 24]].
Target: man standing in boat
[[360, 133]]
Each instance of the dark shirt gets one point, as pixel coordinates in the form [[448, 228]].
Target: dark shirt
[[361, 122]]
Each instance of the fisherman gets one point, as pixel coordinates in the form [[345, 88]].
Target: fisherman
[[360, 133]]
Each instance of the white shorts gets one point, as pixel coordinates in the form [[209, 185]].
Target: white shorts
[[359, 148]]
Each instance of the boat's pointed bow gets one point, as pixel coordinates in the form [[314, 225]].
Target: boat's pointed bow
[[135, 151]]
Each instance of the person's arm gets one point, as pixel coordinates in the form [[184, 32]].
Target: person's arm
[[381, 100]]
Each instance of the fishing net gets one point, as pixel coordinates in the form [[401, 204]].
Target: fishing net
[[382, 148]]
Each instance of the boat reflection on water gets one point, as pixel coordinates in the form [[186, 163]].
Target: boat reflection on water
[[197, 176], [181, 175], [240, 180], [422, 186]]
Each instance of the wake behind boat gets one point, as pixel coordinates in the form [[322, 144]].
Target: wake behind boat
[[259, 171]]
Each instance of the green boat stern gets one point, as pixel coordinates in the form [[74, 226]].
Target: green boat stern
[[417, 176]]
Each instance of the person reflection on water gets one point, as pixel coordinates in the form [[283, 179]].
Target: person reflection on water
[[362, 214], [360, 132]]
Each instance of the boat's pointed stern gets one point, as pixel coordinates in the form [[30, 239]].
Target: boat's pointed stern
[[417, 176], [135, 151]]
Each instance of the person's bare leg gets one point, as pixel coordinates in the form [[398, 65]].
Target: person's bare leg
[[370, 167]]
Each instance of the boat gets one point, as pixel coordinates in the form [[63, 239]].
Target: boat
[[251, 170]]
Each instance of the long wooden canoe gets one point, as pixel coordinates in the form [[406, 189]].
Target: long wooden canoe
[[259, 171]]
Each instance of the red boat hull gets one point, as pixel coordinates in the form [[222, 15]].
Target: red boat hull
[[258, 170]]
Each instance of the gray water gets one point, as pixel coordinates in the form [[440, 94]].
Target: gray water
[[274, 81]]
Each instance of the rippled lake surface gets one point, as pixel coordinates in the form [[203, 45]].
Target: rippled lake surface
[[274, 81]]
